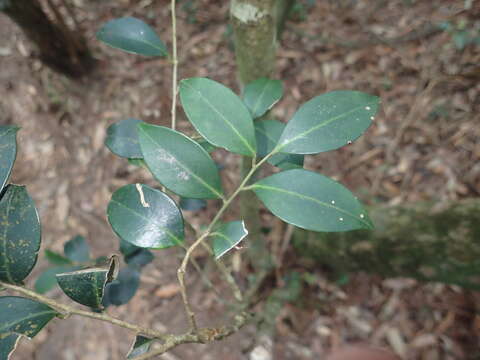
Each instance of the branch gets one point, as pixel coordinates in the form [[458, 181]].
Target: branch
[[67, 311], [204, 335], [175, 66], [183, 267]]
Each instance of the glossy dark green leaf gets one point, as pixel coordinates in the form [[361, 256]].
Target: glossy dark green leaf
[[8, 152], [122, 139], [139, 347], [8, 343], [134, 255], [227, 236], [123, 289], [179, 163], [192, 204], [87, 286], [261, 94], [311, 201], [77, 250], [268, 133], [47, 280], [132, 35], [145, 217], [23, 316], [19, 234], [328, 121], [219, 115], [56, 258]]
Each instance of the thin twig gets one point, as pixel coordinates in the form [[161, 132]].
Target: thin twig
[[175, 65], [66, 311], [183, 267], [204, 335]]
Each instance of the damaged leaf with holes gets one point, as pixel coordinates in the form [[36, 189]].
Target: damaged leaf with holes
[[23, 316], [19, 234], [87, 286]]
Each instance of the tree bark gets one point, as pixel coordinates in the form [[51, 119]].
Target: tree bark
[[254, 25], [417, 241], [59, 48]]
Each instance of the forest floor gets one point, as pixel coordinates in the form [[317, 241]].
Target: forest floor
[[424, 145]]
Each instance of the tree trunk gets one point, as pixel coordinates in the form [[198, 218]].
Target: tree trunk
[[59, 48], [255, 33], [418, 241]]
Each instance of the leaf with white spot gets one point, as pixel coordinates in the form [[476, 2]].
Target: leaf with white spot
[[179, 163], [311, 201], [328, 121]]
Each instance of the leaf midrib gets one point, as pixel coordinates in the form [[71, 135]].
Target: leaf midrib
[[242, 139], [293, 193], [166, 230], [19, 321], [186, 168], [325, 123]]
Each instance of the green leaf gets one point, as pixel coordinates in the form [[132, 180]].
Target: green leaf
[[261, 94], [188, 204], [122, 139], [219, 115], [19, 234], [8, 343], [227, 236], [23, 316], [179, 163], [8, 152], [132, 35], [139, 347], [47, 280], [311, 201], [77, 249], [87, 286], [328, 121], [56, 258], [268, 133], [134, 255], [123, 289], [145, 217]]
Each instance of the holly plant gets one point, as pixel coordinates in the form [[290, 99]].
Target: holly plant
[[149, 219]]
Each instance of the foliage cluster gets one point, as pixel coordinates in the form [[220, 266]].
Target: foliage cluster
[[146, 218]]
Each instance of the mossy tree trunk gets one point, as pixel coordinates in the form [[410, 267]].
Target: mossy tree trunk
[[418, 241], [58, 47]]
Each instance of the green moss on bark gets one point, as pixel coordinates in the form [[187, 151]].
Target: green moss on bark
[[418, 241]]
